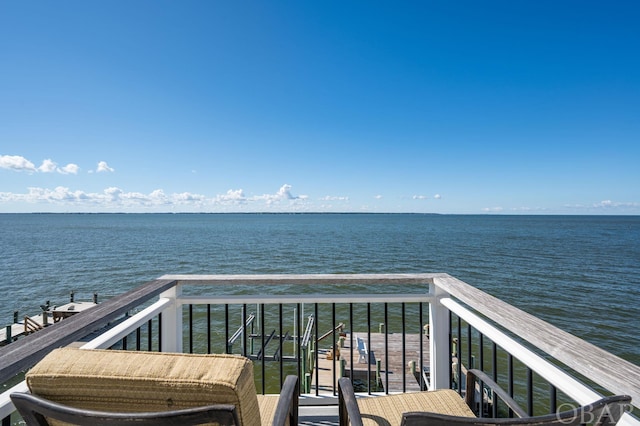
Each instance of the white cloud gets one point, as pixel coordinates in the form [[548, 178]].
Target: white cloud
[[334, 198], [231, 197], [378, 197], [48, 166], [69, 169], [104, 167], [17, 163], [426, 197], [492, 209], [284, 193]]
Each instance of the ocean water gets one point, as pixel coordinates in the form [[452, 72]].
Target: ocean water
[[581, 273]]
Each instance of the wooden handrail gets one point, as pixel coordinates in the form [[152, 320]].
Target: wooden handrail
[[610, 371]]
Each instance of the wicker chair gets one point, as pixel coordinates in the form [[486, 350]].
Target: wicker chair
[[446, 407], [107, 386]]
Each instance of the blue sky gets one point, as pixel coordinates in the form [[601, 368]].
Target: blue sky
[[505, 107]]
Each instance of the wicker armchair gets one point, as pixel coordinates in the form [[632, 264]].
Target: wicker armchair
[[109, 385], [446, 407]]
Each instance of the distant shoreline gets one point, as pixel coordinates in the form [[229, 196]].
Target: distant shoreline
[[324, 213]]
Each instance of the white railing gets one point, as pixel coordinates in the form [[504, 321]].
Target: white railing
[[444, 295]]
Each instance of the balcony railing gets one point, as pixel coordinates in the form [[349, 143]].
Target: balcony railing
[[388, 332]]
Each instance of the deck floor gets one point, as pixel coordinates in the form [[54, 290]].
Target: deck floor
[[395, 374]]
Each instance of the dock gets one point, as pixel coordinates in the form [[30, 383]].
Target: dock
[[46, 318], [395, 375]]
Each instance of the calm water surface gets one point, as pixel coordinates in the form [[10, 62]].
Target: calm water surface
[[581, 273]]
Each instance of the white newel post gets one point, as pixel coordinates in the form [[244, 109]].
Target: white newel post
[[172, 321], [439, 341]]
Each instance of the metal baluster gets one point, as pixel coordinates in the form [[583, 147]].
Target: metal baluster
[[226, 329], [469, 347], [459, 354], [351, 341], [244, 329], [160, 332], [369, 348], [404, 349], [281, 352], [421, 361], [315, 347], [263, 350], [510, 374], [386, 348], [190, 328], [301, 378], [553, 399], [334, 346], [450, 346], [494, 369], [149, 335], [208, 328], [529, 391]]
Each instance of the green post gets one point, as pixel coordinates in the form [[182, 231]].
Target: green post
[[378, 371], [8, 334], [412, 367], [304, 359], [343, 367], [15, 317], [381, 328], [71, 296], [307, 383]]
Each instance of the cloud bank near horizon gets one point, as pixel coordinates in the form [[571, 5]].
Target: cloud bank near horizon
[[18, 163], [117, 199]]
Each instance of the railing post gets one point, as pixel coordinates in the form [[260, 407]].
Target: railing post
[[439, 335], [172, 321]]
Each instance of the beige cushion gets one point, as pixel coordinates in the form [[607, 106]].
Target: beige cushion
[[388, 409], [127, 381], [268, 405]]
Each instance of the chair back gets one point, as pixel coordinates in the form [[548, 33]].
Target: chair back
[[36, 411], [604, 412], [116, 381]]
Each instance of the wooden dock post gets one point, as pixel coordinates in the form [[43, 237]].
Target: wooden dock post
[[8, 338]]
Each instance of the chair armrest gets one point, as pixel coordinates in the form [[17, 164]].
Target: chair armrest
[[287, 408], [35, 411], [482, 377], [347, 405]]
